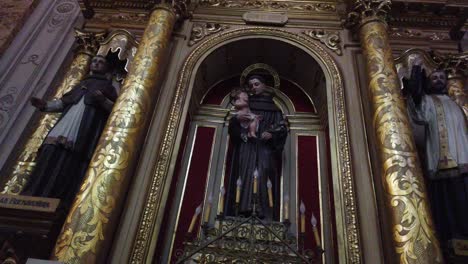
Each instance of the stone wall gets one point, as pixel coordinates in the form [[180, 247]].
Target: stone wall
[[13, 14]]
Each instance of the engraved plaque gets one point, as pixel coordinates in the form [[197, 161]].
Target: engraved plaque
[[255, 17]]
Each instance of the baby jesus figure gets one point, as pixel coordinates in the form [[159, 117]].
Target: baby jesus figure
[[241, 104]]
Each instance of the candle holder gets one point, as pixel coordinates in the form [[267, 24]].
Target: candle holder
[[302, 242], [205, 228], [286, 226]]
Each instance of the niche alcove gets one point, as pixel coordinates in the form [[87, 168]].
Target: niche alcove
[[203, 161]]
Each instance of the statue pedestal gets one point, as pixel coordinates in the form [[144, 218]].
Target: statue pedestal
[[29, 226]]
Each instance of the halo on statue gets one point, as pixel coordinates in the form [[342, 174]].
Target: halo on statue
[[260, 69]]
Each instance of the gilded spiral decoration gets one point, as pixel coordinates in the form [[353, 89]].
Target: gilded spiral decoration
[[414, 237]]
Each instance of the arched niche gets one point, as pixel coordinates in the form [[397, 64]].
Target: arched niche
[[197, 77]]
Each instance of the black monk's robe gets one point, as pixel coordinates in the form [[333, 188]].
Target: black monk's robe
[[67, 150], [251, 153]]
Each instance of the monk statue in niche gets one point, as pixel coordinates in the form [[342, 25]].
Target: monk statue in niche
[[445, 154], [67, 150], [258, 135]]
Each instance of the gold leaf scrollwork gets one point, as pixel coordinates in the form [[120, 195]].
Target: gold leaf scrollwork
[[331, 39], [413, 231], [201, 30], [276, 5]]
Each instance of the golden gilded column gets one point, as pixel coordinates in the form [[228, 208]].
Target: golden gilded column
[[412, 228], [87, 233], [456, 67], [88, 44]]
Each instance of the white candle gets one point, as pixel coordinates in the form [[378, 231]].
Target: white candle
[[313, 221], [222, 191], [302, 209], [270, 193], [286, 207], [255, 185], [194, 218], [238, 190], [208, 208]]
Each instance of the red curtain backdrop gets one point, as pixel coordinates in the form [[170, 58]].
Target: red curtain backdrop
[[196, 183], [308, 184]]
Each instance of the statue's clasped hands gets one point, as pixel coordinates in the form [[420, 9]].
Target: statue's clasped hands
[[97, 96]]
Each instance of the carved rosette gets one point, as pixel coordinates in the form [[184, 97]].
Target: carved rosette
[[24, 165], [201, 30], [411, 223], [331, 39], [92, 219]]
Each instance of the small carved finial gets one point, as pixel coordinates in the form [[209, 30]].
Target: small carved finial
[[367, 10]]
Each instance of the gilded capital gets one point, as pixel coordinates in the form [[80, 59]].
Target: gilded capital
[[88, 42], [365, 11], [178, 7]]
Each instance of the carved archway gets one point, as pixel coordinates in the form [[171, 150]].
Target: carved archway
[[343, 187]]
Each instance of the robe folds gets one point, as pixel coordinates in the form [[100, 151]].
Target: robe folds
[[445, 162], [68, 148], [254, 153]]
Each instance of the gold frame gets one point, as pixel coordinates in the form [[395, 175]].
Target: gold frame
[[349, 250]]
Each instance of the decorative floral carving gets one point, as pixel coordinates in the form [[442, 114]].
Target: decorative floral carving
[[418, 34], [61, 14], [201, 30], [331, 39], [263, 4], [128, 18]]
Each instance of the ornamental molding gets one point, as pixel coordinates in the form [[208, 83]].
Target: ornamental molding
[[412, 33], [201, 30], [309, 6], [331, 39]]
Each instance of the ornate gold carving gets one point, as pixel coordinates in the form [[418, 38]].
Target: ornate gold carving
[[94, 213], [121, 17], [365, 11], [201, 30], [348, 227], [88, 42], [457, 92], [331, 39], [456, 65], [120, 41], [87, 46], [413, 231], [418, 34], [275, 5]]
